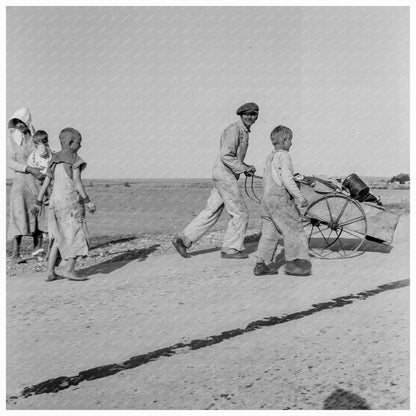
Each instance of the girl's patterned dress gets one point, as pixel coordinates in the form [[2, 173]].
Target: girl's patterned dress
[[66, 220]]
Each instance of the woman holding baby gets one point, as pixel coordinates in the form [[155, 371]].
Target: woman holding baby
[[26, 184]]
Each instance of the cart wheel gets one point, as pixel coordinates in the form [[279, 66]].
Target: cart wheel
[[336, 227]]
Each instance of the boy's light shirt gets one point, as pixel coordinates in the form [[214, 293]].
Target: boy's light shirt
[[282, 172]]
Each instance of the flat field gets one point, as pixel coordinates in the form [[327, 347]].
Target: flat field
[[167, 206]]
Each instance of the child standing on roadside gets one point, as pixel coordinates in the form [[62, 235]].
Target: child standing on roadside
[[281, 200], [66, 218]]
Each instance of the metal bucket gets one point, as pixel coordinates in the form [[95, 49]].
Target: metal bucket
[[356, 187]]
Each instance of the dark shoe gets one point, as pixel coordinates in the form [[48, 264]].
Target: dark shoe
[[261, 269], [236, 255], [274, 267], [180, 247], [303, 263], [294, 268]]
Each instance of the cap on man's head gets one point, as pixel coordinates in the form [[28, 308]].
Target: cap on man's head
[[247, 108]]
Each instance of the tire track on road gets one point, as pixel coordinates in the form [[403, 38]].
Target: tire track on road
[[60, 383]]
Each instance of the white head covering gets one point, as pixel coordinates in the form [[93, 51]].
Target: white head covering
[[23, 114]]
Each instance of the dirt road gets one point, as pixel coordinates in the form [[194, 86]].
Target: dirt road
[[204, 333]]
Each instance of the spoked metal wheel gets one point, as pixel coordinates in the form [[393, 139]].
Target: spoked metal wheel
[[336, 227]]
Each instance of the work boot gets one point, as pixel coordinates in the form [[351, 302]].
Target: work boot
[[303, 263], [274, 267], [236, 255], [261, 269], [298, 268], [180, 247]]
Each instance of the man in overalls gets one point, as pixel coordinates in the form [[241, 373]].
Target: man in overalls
[[226, 191]]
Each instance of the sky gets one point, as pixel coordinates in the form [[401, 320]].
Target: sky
[[152, 88]]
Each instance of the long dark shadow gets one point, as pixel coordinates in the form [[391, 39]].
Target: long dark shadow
[[105, 241], [60, 383], [115, 263], [368, 246], [248, 240]]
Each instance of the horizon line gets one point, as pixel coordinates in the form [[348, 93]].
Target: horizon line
[[196, 178]]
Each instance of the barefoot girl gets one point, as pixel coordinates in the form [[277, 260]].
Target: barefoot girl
[[66, 219]]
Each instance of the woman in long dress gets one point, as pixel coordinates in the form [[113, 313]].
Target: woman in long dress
[[26, 184]]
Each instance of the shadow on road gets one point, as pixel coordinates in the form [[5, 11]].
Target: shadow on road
[[205, 251], [341, 399], [250, 241], [104, 241], [119, 261], [349, 244]]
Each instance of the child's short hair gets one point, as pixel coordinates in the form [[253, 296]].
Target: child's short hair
[[67, 135], [279, 134], [40, 135]]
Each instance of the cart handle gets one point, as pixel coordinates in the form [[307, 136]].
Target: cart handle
[[254, 198]]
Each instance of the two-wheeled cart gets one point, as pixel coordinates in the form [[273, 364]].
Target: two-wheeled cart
[[336, 223]]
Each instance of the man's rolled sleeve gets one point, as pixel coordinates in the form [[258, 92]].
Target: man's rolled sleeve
[[229, 150]]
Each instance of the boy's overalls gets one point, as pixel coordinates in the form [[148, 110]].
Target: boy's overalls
[[281, 218]]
